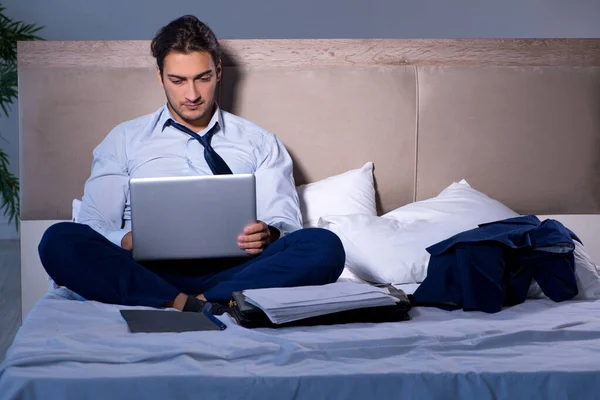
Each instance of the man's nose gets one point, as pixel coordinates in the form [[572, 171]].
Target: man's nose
[[192, 93]]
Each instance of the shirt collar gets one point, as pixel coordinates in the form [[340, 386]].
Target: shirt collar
[[217, 118]]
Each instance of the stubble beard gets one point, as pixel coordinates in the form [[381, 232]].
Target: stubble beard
[[190, 119]]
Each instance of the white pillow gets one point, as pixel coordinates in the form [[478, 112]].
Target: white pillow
[[459, 206], [392, 248], [351, 192], [379, 250], [376, 248], [348, 276]]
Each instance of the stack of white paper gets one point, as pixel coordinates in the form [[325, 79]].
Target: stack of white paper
[[290, 304]]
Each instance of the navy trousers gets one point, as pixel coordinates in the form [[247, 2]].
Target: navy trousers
[[79, 258]]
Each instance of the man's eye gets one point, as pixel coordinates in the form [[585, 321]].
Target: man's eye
[[206, 79], [176, 82]]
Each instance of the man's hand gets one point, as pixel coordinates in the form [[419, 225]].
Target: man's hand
[[127, 242], [256, 237]]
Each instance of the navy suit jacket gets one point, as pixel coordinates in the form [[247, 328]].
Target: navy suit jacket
[[493, 265]]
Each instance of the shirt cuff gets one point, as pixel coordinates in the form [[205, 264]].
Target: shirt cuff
[[116, 236], [283, 228]]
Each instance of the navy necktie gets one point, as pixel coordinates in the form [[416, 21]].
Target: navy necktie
[[217, 165]]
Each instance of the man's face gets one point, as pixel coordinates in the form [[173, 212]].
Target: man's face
[[190, 82]]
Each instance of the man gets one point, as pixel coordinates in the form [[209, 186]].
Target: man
[[93, 257]]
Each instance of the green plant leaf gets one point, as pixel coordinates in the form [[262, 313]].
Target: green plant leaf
[[11, 32], [9, 191], [8, 85]]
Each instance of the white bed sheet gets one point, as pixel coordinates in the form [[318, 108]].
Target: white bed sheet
[[72, 349]]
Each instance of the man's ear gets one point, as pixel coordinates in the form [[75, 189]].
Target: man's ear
[[219, 69], [159, 76]]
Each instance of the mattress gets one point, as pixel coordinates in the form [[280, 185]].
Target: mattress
[[73, 349]]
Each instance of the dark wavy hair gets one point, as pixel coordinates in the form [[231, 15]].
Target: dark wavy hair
[[184, 35]]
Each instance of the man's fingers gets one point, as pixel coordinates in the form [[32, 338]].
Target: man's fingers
[[253, 245], [255, 228], [257, 237], [254, 251]]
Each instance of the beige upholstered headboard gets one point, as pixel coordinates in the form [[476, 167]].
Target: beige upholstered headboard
[[519, 119]]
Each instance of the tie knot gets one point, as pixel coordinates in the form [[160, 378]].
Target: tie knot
[[205, 139]]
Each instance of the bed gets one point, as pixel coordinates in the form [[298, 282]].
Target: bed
[[373, 126]]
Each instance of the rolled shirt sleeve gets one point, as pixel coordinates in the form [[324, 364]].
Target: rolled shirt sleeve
[[278, 203]]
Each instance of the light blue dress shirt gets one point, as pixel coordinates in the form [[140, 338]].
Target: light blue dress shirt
[[145, 147]]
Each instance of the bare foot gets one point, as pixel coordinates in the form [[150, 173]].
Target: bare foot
[[179, 302]]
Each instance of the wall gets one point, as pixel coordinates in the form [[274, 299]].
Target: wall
[[139, 19]]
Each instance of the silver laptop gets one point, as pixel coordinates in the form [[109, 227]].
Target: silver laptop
[[190, 217]]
